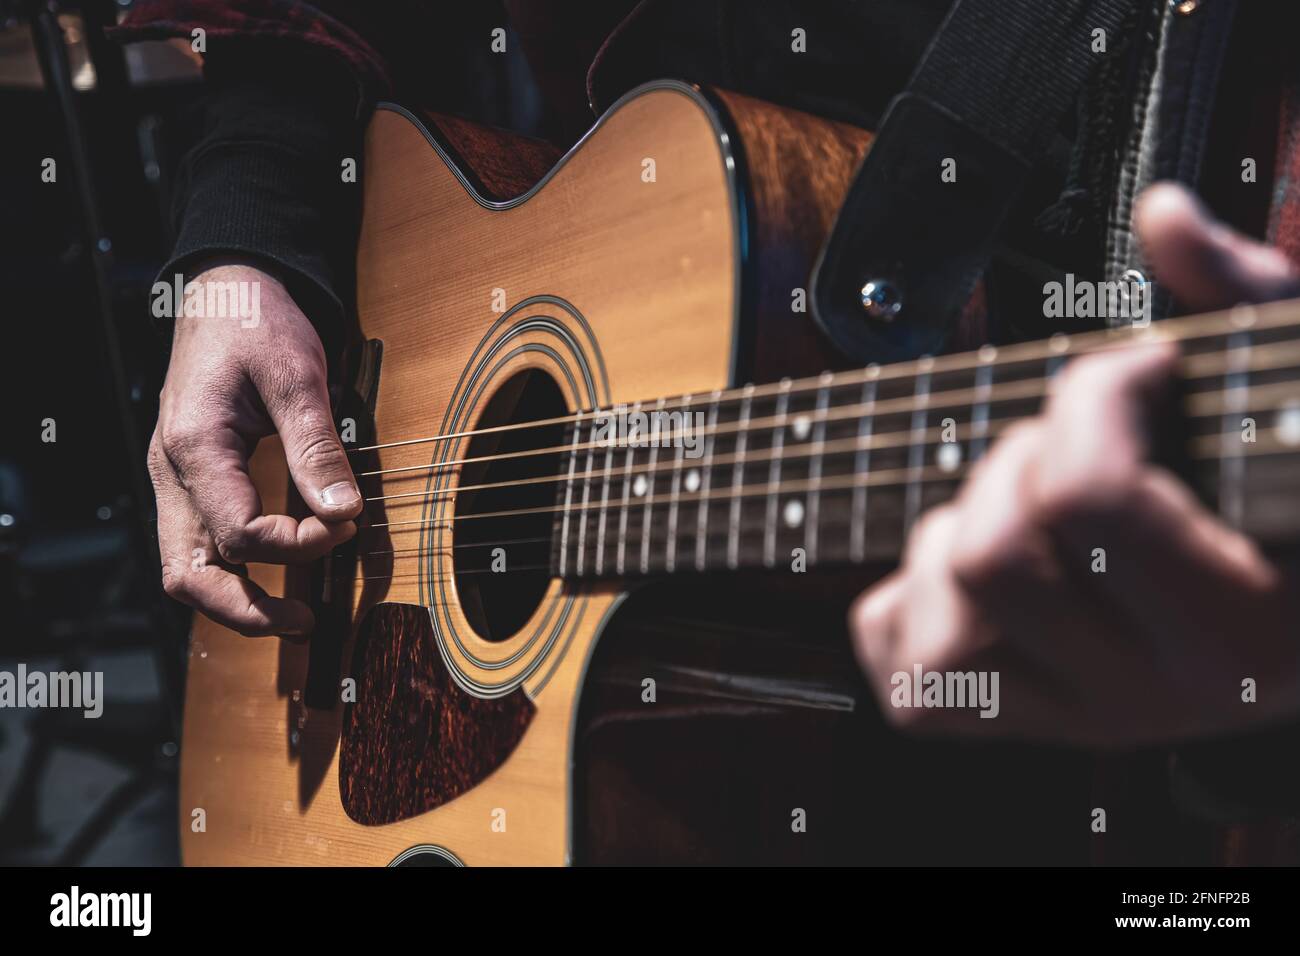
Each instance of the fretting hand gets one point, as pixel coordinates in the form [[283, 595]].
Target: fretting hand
[[1001, 579]]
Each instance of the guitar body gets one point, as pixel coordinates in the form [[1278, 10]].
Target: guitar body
[[657, 258]]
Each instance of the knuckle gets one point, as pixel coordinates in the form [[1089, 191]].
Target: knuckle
[[871, 627], [931, 529], [319, 448], [255, 621], [176, 584], [931, 521], [179, 438], [869, 619], [156, 459], [292, 379], [232, 543], [1021, 434]]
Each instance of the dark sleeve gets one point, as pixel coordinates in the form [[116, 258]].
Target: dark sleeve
[[264, 180]]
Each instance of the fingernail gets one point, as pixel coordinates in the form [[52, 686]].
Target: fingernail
[[340, 493]]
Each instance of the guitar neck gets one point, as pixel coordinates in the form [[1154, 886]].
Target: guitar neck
[[836, 470]]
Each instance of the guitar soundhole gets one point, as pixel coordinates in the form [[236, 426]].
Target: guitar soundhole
[[502, 561]]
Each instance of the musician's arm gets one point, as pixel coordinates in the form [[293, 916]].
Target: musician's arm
[[287, 86], [265, 184], [261, 201]]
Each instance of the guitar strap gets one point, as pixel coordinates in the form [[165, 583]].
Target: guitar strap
[[948, 163]]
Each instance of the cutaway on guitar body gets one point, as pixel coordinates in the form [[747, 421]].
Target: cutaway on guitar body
[[498, 288]]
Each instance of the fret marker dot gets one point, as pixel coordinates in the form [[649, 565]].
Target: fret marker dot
[[639, 485], [1288, 423], [692, 481], [801, 427], [792, 513], [948, 457]]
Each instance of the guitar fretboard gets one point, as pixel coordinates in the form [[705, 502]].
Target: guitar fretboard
[[837, 470]]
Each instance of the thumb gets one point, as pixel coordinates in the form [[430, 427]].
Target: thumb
[[1204, 263], [316, 458]]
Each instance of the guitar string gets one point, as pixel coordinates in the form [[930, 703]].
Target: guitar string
[[457, 547], [441, 578], [713, 534], [897, 438], [1181, 330], [1006, 391], [877, 479], [1021, 390], [872, 479]]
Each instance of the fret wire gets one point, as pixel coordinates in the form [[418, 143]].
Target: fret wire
[[568, 496], [737, 474], [702, 530], [858, 531], [647, 513], [670, 549], [813, 500], [980, 406], [586, 493], [916, 453], [1023, 389], [844, 448], [753, 523], [1236, 399], [604, 510], [1209, 462], [1276, 316], [774, 473], [1017, 391], [900, 438], [1199, 407], [1204, 446], [1285, 445], [627, 489]]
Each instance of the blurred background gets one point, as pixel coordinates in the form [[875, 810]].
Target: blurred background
[[77, 574]]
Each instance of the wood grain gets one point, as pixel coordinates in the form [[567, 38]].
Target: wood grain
[[798, 169], [414, 740], [652, 268]]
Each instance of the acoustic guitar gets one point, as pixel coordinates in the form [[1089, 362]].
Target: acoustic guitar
[[545, 402]]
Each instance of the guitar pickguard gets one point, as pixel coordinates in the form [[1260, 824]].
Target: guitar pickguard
[[415, 740]]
